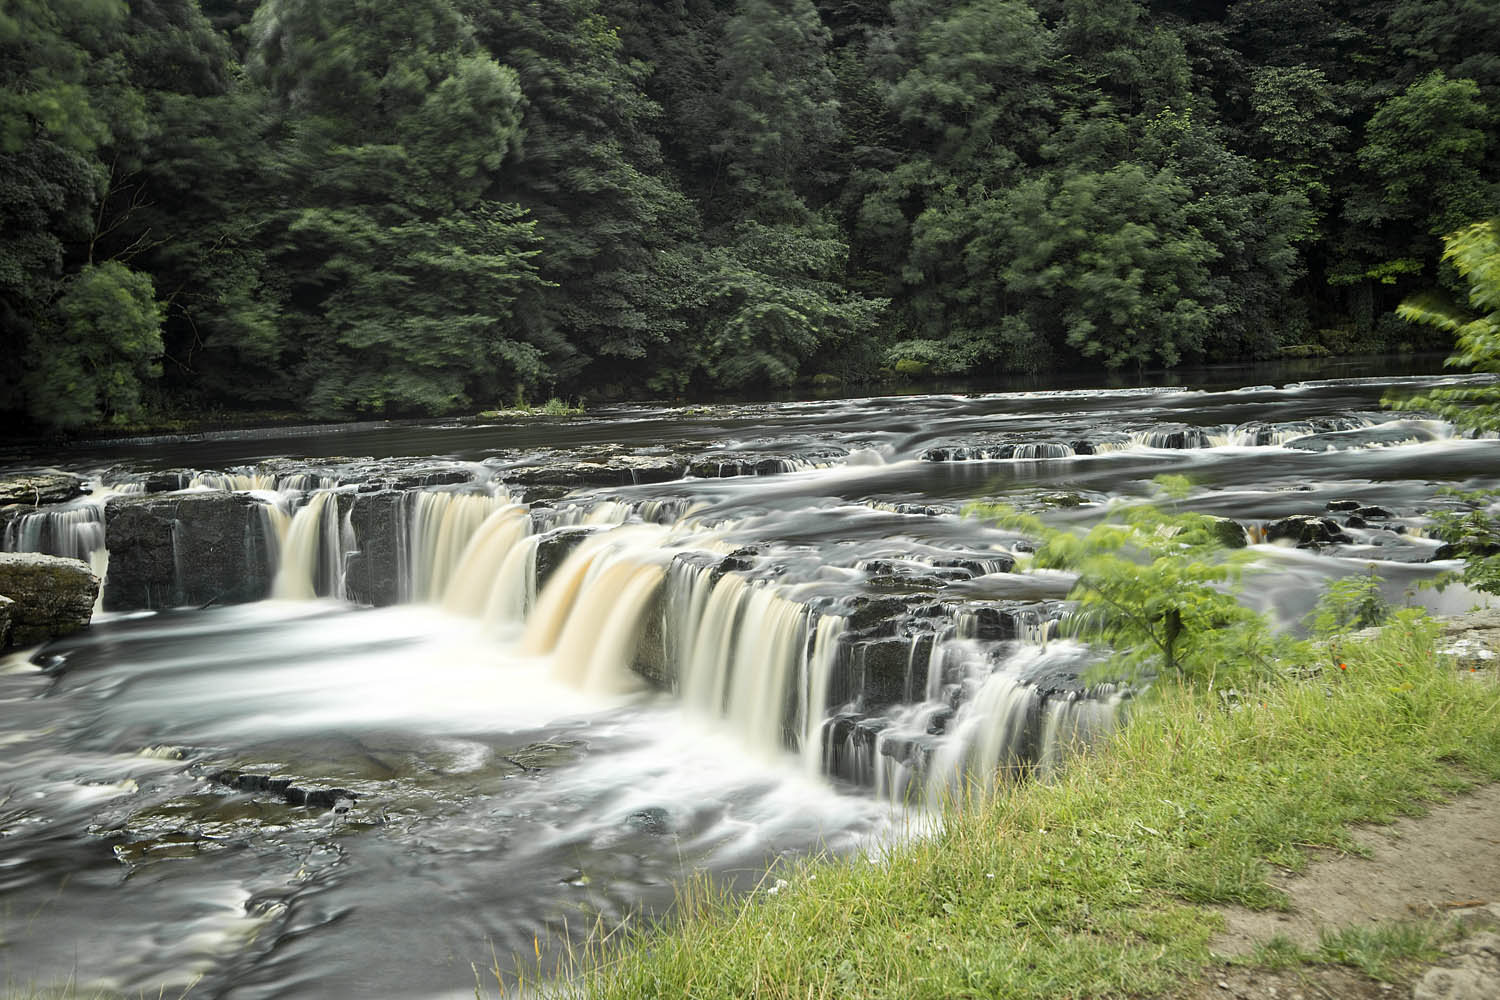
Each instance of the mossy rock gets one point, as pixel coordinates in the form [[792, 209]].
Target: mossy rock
[[826, 381], [913, 369], [51, 596]]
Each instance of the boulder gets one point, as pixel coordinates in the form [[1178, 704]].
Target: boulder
[[40, 488], [49, 597], [213, 547], [6, 604], [1227, 532], [1306, 531]]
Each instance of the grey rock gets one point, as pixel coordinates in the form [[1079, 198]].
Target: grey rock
[[1473, 973], [375, 572], [6, 605], [37, 489], [553, 549], [186, 549], [50, 596]]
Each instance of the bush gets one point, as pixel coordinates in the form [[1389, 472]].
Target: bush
[[1350, 604]]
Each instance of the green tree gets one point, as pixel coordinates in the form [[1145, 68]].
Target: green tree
[[1157, 587], [778, 113], [591, 173], [1475, 326], [1421, 165], [767, 303], [65, 101], [106, 342], [1474, 253], [398, 128]]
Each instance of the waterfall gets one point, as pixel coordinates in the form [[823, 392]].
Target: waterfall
[[820, 664], [750, 655], [1011, 726], [440, 525], [592, 612], [484, 583], [311, 557], [74, 529], [234, 482]]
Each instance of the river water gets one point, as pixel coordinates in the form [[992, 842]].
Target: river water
[[496, 774]]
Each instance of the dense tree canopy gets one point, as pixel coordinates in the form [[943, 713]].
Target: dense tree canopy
[[350, 207]]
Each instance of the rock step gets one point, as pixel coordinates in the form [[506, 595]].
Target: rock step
[[48, 597]]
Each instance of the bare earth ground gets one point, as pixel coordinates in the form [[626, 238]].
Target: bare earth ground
[[1444, 865]]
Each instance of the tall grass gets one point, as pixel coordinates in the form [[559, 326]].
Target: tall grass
[[1096, 883]]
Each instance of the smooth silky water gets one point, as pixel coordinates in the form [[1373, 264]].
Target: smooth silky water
[[507, 774]]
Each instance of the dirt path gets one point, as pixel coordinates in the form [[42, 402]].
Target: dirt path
[[1418, 868], [1444, 865]]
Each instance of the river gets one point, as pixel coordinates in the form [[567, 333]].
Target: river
[[796, 648]]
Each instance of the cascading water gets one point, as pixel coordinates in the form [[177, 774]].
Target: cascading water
[[441, 524], [312, 554], [489, 581]]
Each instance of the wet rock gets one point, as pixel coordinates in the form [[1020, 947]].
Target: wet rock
[[1062, 499], [1373, 513], [866, 613], [653, 820], [1355, 521], [1228, 533], [554, 548], [651, 650], [723, 465], [49, 597], [6, 604], [906, 583], [1363, 437], [338, 799], [619, 470], [39, 489], [375, 572], [535, 756], [1468, 547], [186, 549], [1177, 437], [1343, 505], [150, 481], [1306, 530]]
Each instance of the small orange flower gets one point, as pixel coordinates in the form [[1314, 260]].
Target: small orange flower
[[1342, 667]]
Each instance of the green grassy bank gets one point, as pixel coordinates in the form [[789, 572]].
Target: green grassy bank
[[1096, 884]]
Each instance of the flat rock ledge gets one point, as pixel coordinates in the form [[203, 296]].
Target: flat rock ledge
[[48, 597]]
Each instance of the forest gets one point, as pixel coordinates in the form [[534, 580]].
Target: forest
[[366, 207]]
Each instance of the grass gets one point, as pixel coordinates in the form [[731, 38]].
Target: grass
[[1096, 884], [1380, 951], [553, 407]]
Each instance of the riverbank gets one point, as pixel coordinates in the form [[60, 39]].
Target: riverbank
[[1109, 881]]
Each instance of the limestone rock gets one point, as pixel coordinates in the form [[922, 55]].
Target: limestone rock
[[1472, 974], [186, 549], [375, 572], [40, 488], [49, 596]]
